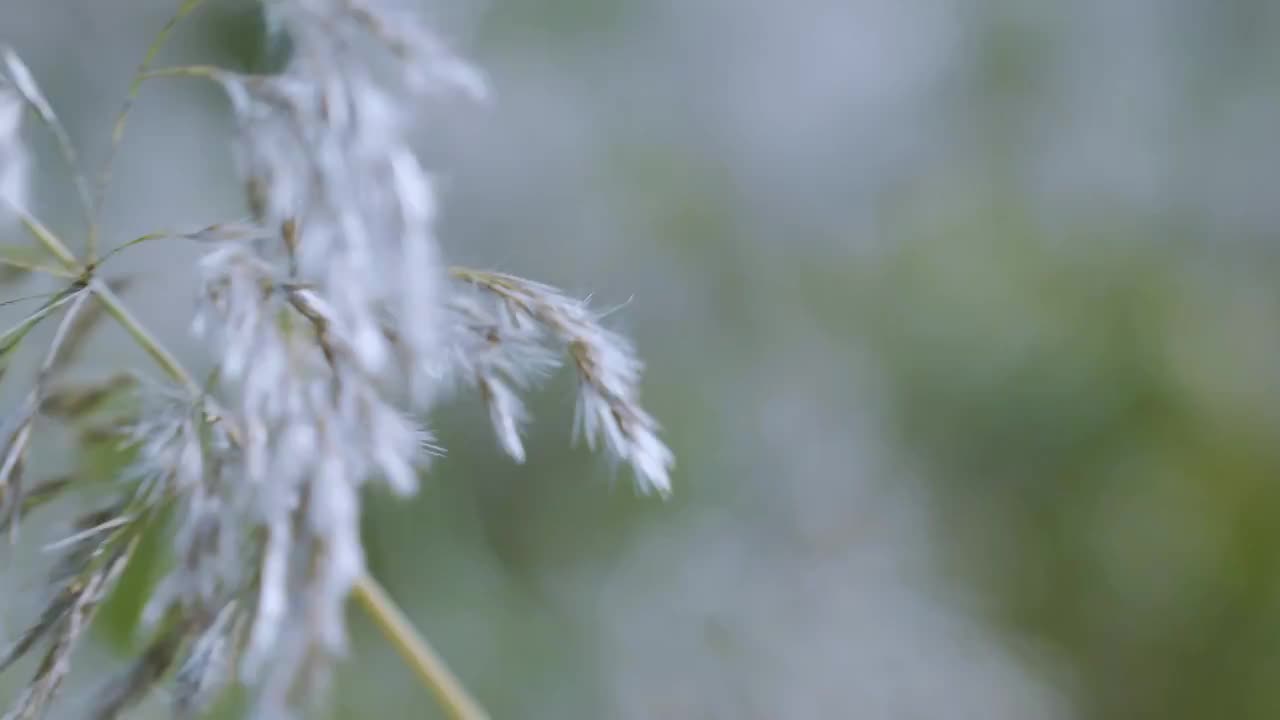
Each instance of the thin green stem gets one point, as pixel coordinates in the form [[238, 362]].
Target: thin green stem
[[118, 310], [37, 268], [136, 241], [35, 98], [211, 72], [27, 298], [135, 87], [416, 651], [72, 160], [50, 241]]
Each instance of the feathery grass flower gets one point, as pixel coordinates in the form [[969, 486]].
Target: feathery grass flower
[[334, 325]]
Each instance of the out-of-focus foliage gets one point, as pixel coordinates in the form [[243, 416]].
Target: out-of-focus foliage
[[1097, 413]]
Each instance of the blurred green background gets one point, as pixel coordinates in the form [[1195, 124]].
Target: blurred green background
[[960, 315]]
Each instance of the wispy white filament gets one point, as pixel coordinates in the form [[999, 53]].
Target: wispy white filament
[[14, 163]]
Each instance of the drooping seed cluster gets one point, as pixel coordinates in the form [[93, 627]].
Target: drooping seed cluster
[[503, 328], [335, 327]]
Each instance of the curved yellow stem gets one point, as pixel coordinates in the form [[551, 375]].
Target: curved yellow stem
[[417, 653]]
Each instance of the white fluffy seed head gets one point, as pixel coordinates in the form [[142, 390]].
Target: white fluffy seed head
[[316, 428], [326, 314], [324, 152], [334, 324]]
